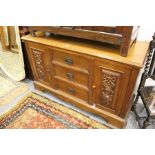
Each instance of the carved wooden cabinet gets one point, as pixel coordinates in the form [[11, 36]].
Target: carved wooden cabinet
[[92, 77]]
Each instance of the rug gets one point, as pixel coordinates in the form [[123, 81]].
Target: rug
[[37, 112], [9, 89]]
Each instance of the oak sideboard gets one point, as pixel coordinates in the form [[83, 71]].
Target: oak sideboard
[[89, 75]]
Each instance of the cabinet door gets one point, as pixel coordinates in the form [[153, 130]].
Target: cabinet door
[[40, 62], [110, 83]]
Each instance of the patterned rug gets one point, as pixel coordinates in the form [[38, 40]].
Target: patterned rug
[[35, 111], [9, 89]]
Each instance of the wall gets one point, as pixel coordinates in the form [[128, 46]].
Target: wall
[[146, 33]]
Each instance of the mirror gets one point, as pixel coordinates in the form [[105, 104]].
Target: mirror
[[11, 56]]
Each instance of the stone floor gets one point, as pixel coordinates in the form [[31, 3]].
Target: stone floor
[[131, 123]]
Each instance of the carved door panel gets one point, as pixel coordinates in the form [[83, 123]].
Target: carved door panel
[[40, 62], [110, 83]]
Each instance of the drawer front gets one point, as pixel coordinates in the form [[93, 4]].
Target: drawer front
[[72, 75], [71, 60], [73, 90]]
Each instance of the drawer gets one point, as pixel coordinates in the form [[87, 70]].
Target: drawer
[[73, 60], [73, 90], [72, 75]]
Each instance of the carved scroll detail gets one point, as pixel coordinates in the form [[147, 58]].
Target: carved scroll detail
[[39, 63], [108, 87]]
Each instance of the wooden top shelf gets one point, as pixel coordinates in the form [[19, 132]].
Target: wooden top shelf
[[136, 55]]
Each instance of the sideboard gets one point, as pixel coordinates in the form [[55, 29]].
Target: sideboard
[[87, 74]]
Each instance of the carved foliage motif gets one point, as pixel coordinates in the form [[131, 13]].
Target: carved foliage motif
[[108, 86], [39, 63]]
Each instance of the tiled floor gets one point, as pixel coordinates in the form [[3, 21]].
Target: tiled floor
[[131, 123]]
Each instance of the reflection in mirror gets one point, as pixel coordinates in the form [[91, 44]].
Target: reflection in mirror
[[11, 56]]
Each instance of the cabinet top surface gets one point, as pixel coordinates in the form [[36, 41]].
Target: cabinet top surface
[[136, 55]]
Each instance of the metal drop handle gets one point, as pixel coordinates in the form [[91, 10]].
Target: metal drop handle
[[68, 61], [71, 90], [69, 76]]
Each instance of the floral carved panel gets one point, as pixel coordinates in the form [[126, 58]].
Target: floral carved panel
[[109, 88], [39, 63]]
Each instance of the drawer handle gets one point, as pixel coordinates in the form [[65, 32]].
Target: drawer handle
[[69, 76], [68, 61], [71, 90]]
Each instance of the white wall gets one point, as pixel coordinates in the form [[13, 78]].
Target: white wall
[[146, 33]]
